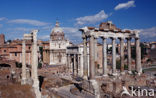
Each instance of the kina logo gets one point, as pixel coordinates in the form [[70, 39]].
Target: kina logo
[[138, 91], [125, 91]]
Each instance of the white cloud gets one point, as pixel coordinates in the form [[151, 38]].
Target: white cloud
[[47, 28], [125, 5], [70, 29], [2, 18], [17, 29], [148, 33], [72, 32], [28, 21], [45, 37], [92, 19]]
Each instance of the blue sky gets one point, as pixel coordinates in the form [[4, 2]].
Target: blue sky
[[21, 16]]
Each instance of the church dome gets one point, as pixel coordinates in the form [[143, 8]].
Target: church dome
[[57, 28], [57, 32]]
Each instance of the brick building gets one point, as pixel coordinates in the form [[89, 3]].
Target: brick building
[[13, 51], [2, 39]]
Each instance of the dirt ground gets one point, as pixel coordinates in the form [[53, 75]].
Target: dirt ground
[[10, 88]]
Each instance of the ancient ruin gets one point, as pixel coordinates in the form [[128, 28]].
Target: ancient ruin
[[87, 70], [34, 72], [109, 30]]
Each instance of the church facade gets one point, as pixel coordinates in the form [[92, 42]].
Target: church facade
[[57, 46]]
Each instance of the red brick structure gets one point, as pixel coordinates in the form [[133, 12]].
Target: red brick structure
[[13, 51], [2, 39]]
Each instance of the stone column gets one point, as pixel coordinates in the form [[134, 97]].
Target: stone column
[[68, 63], [95, 55], [104, 60], [95, 46], [85, 63], [78, 64], [114, 56], [122, 54], [66, 60], [81, 65], [35, 56], [32, 62], [129, 54], [23, 64], [51, 57], [74, 65], [35, 65], [138, 56], [91, 58], [70, 66]]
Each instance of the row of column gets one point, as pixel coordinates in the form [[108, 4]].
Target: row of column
[[75, 66], [34, 74], [93, 56]]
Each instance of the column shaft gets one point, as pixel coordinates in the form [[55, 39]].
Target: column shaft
[[78, 64], [85, 63], [23, 63], [114, 56], [35, 65], [129, 54], [91, 58], [95, 55], [104, 57], [74, 66], [68, 61], [95, 43], [32, 62], [35, 57], [122, 54], [138, 56], [81, 65]]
